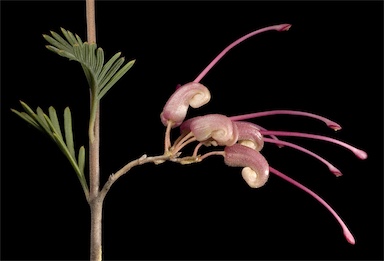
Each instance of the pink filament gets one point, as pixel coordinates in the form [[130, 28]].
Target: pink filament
[[332, 169], [348, 235], [359, 153], [331, 124], [272, 136], [280, 28]]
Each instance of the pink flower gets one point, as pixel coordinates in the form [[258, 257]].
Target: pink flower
[[212, 129], [243, 141], [256, 168], [191, 94], [249, 135]]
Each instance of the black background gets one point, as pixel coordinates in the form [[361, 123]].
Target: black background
[[330, 63]]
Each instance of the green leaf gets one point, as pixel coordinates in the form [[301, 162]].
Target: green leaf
[[92, 55], [71, 159], [34, 116], [100, 77], [69, 36], [40, 114], [62, 41], [51, 126], [42, 121], [73, 38], [52, 130], [78, 39], [52, 49], [55, 121], [28, 110], [88, 75], [81, 159], [78, 52], [99, 61], [61, 52], [115, 78], [68, 131], [107, 67], [114, 68], [55, 43], [27, 118], [87, 55], [74, 165]]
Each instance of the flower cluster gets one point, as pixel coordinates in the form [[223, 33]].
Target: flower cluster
[[242, 140]]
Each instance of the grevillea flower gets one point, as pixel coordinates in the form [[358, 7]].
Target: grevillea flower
[[242, 141], [249, 135], [191, 94], [256, 168], [213, 129]]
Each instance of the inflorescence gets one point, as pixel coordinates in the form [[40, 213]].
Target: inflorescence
[[242, 141]]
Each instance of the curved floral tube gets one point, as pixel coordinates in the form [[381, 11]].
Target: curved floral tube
[[249, 135], [256, 171], [214, 129], [191, 94]]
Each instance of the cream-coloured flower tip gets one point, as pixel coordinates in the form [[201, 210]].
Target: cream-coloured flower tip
[[250, 176], [191, 94]]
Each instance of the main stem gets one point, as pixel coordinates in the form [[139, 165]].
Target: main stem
[[95, 201]]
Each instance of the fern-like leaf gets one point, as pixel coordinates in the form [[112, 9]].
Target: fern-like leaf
[[50, 126], [100, 77]]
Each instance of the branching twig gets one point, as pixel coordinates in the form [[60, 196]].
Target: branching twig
[[140, 161]]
